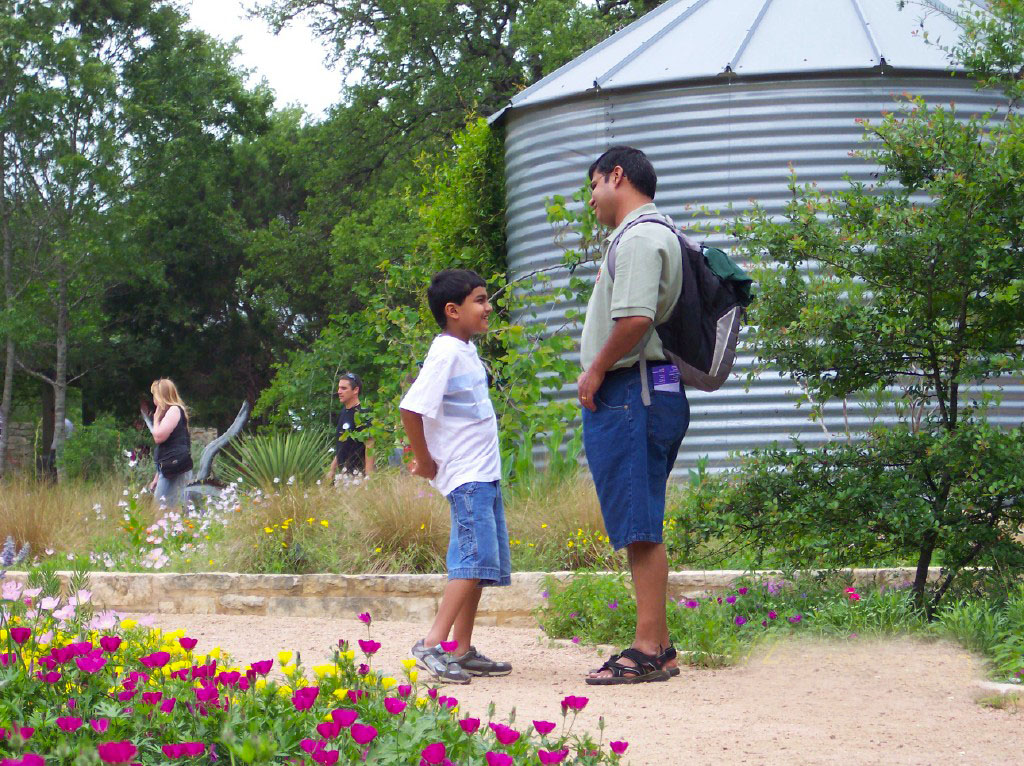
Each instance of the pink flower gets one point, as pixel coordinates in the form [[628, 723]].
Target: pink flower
[[116, 752], [20, 635], [449, 646], [7, 659], [28, 759], [365, 618], [312, 745], [90, 664], [304, 698], [188, 644], [325, 757], [772, 614], [328, 729], [554, 756], [575, 639], [173, 751], [52, 677], [795, 618], [404, 690], [742, 591], [618, 747], [167, 705], [262, 667], [573, 703], [110, 644], [614, 604], [543, 727], [740, 620], [368, 647], [394, 705], [850, 590], [730, 600], [344, 717], [504, 734], [853, 596], [355, 695], [691, 604], [69, 723], [151, 698], [433, 753], [498, 759], [363, 669], [470, 725], [155, 660], [363, 735], [99, 725]]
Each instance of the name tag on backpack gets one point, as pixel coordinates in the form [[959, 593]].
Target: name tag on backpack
[[666, 377]]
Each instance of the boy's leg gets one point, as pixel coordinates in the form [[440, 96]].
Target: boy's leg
[[464, 620], [458, 596]]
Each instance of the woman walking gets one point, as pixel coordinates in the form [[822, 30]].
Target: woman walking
[[173, 453]]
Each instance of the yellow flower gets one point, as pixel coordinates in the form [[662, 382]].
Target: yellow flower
[[387, 682], [215, 652], [288, 670], [129, 623], [423, 525], [340, 693], [323, 523], [284, 691], [376, 550], [413, 675], [284, 657], [568, 544], [310, 520], [543, 526], [421, 701], [260, 683], [409, 664], [268, 530], [324, 670]]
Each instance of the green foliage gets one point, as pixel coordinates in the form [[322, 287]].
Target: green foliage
[[280, 458], [93, 451], [993, 629]]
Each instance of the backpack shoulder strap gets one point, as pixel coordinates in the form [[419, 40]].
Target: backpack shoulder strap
[[649, 218]]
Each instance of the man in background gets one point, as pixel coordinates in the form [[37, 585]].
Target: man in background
[[352, 455]]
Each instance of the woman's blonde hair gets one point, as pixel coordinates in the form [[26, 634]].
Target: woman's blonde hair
[[166, 395]]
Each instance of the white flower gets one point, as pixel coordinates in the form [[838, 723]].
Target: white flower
[[125, 493], [277, 480], [49, 603], [49, 551], [127, 517]]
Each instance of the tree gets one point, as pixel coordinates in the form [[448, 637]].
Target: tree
[[908, 289]]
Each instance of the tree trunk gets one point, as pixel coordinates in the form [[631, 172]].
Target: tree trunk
[[924, 561], [60, 378], [8, 254], [43, 465]]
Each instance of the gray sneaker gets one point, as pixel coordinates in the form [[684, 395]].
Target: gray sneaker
[[477, 664], [439, 664]]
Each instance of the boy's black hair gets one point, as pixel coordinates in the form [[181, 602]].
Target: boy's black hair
[[451, 286], [635, 166]]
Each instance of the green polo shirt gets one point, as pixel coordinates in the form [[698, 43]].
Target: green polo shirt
[[648, 279]]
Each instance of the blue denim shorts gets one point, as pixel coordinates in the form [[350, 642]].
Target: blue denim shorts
[[478, 547], [631, 449]]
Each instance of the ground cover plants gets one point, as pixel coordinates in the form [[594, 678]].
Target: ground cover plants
[[87, 688], [598, 608]]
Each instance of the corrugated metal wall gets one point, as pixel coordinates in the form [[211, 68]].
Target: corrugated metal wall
[[715, 146]]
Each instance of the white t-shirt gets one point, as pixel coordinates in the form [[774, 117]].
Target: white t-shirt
[[458, 417]]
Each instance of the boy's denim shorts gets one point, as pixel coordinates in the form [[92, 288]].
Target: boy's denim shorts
[[478, 547], [631, 449]]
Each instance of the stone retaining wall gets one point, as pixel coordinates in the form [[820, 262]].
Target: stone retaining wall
[[387, 597]]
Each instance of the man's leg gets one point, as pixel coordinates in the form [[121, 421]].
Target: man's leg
[[648, 563], [458, 596], [463, 628]]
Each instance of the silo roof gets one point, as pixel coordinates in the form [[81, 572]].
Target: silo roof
[[698, 39]]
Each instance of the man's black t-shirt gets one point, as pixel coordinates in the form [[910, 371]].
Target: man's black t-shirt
[[351, 453]]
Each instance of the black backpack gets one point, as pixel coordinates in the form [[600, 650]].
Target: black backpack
[[700, 335]]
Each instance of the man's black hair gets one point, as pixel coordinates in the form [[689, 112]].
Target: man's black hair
[[353, 379], [635, 166], [451, 286]]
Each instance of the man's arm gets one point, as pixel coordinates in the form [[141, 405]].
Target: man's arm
[[626, 334], [370, 466], [423, 464], [333, 468]]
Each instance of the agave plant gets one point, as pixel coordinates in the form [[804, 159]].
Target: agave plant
[[271, 460]]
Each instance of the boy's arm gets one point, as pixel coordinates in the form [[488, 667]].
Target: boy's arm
[[423, 464]]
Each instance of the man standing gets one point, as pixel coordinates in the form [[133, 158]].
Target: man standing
[[631, 447], [350, 453]]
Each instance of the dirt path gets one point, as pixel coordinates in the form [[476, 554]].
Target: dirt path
[[800, 702]]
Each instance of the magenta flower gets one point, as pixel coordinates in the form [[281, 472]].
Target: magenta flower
[[116, 752], [691, 604], [730, 600], [449, 646], [614, 604], [325, 757], [71, 703], [27, 759], [498, 759], [363, 734], [394, 705], [188, 644], [363, 669], [575, 639], [155, 660], [20, 635], [432, 693], [7, 659], [90, 665], [355, 695], [304, 698], [344, 717], [151, 698], [543, 727], [51, 678], [470, 725], [368, 647], [772, 614], [69, 723], [618, 747], [206, 694], [506, 735], [328, 729], [25, 732], [740, 620], [742, 591], [554, 756], [312, 745], [365, 618], [573, 703], [262, 667], [434, 753], [404, 690], [853, 596], [795, 618], [99, 725], [167, 705]]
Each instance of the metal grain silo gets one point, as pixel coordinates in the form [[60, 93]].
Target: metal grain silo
[[723, 95]]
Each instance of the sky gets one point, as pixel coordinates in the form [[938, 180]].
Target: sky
[[292, 62]]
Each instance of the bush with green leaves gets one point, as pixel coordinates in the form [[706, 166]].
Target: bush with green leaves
[[279, 458]]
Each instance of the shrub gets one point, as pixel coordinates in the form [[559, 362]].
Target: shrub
[[269, 460], [92, 452]]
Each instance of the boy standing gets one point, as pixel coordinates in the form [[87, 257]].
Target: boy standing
[[450, 422]]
